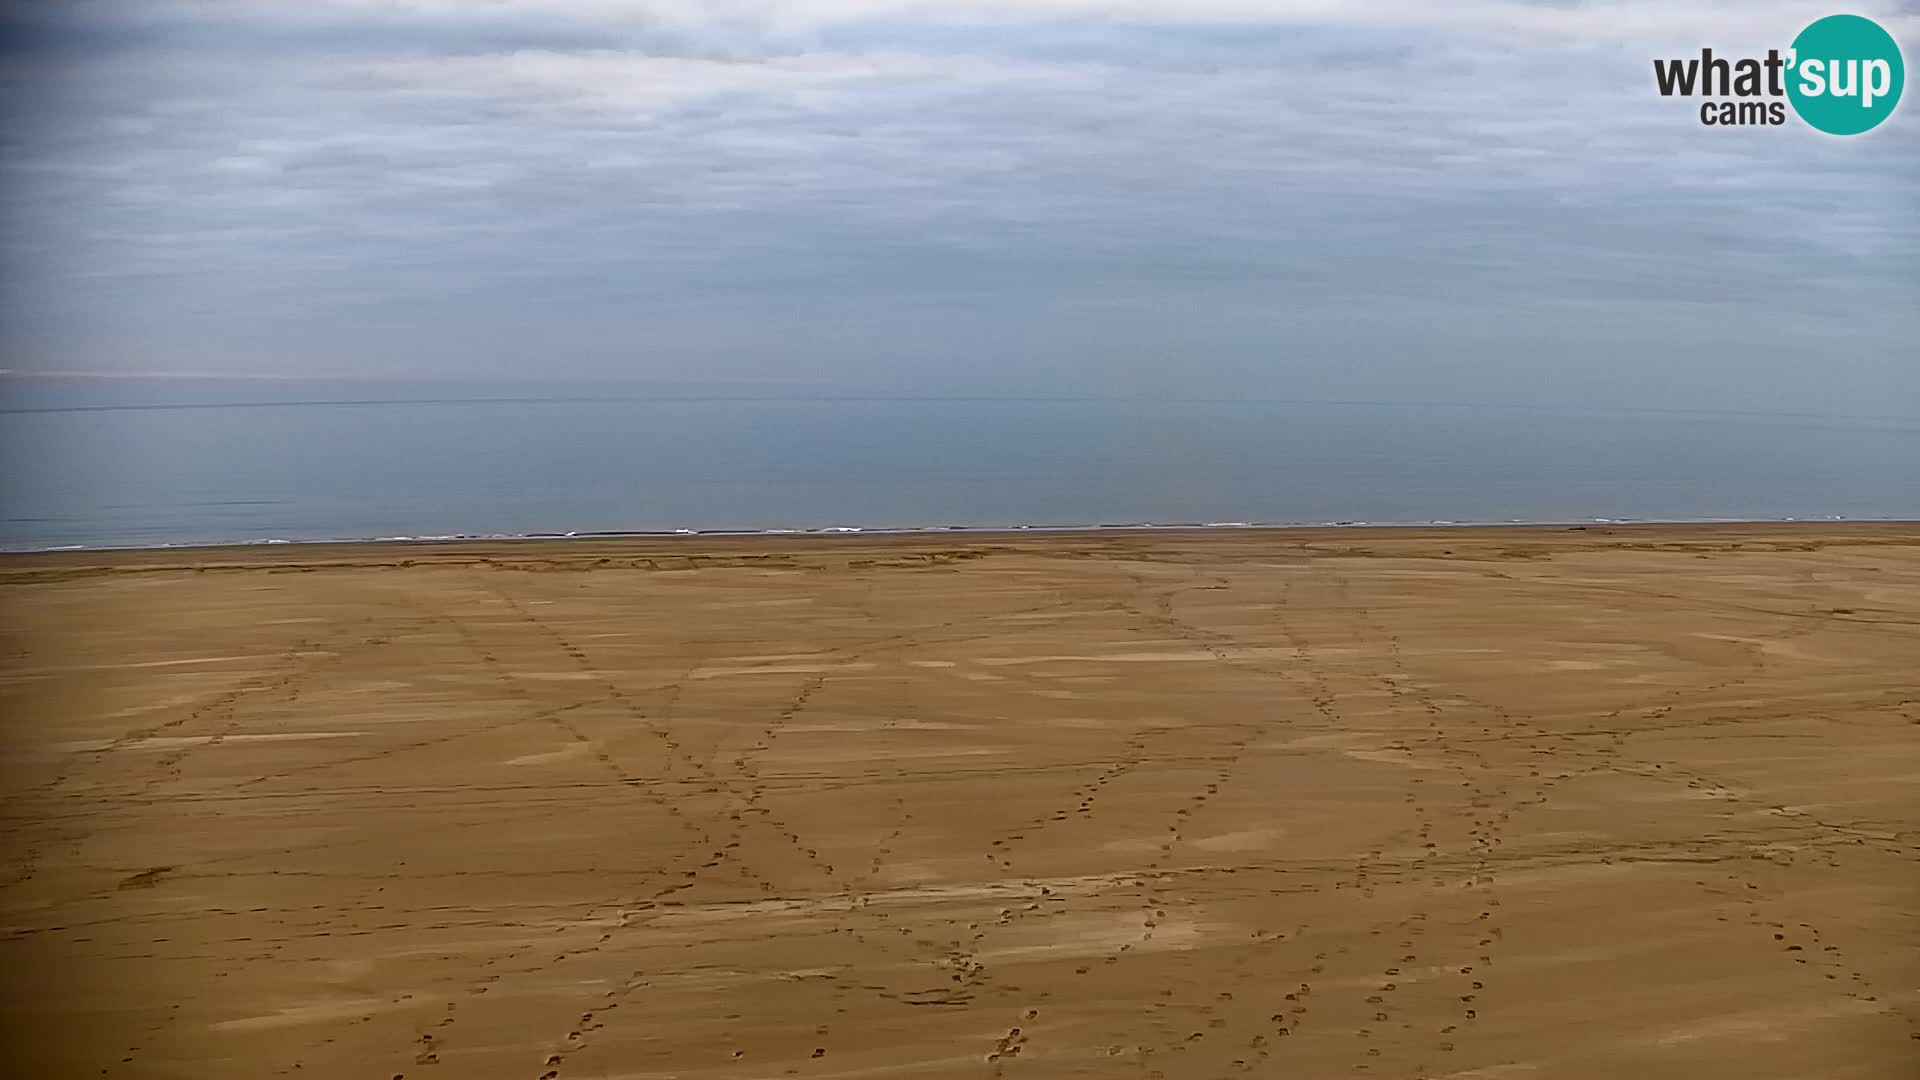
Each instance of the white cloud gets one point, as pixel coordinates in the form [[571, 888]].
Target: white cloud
[[751, 24], [476, 180]]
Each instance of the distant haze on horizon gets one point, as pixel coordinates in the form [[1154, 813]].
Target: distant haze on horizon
[[1484, 201]]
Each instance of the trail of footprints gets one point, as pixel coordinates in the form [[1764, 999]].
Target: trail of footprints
[[1489, 806], [678, 879], [297, 663], [1468, 952], [1294, 1006], [752, 811]]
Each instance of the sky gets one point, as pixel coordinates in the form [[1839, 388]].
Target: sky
[[1482, 201]]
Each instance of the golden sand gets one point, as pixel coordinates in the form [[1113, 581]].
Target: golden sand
[[1488, 803]]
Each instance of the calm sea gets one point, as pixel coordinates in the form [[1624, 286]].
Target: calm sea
[[96, 463]]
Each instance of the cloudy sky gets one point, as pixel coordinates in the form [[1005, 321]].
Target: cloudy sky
[[1383, 199]]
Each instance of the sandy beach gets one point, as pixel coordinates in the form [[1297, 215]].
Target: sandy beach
[[1494, 803]]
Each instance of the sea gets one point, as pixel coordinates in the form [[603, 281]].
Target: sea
[[112, 463]]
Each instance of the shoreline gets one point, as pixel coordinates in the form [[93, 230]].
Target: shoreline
[[929, 531], [661, 551]]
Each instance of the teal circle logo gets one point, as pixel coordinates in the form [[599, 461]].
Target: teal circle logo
[[1846, 74]]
